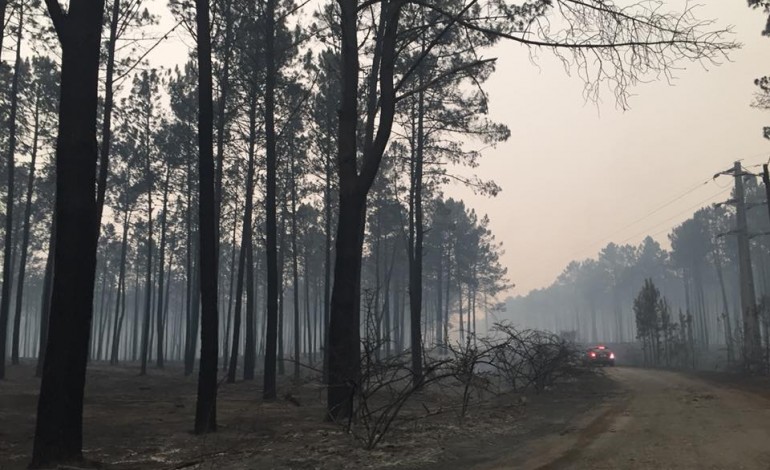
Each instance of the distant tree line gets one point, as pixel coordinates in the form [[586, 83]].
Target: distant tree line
[[698, 276]]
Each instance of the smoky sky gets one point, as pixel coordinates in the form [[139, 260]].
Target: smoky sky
[[578, 174]]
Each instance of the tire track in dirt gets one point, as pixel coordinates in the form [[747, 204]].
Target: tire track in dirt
[[664, 420]]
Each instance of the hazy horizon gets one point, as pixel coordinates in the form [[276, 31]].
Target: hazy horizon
[[566, 155]]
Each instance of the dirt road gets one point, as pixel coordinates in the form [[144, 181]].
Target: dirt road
[[662, 420]]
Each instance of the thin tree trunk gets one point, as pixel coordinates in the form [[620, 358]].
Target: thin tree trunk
[[224, 89], [281, 294], [231, 296], [397, 326], [249, 359], [135, 326], [205, 413], [25, 234], [237, 315], [3, 8], [386, 303], [415, 261], [5, 301], [192, 292], [295, 268], [447, 297], [167, 294], [104, 154], [195, 311], [244, 252], [460, 305], [308, 322], [104, 324], [148, 275], [121, 292], [45, 304], [440, 299], [161, 274], [271, 341], [327, 266]]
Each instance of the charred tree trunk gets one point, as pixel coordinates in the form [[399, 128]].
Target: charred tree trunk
[[416, 245], [104, 154], [271, 341], [195, 312], [447, 294], [3, 8], [295, 268], [231, 293], [148, 277], [327, 266], [192, 285], [281, 294], [121, 302], [344, 324], [167, 294], [460, 305], [59, 428], [439, 332], [231, 369], [135, 326], [160, 317], [45, 304], [344, 332], [386, 303], [245, 244], [309, 323], [205, 413], [249, 359], [224, 90]]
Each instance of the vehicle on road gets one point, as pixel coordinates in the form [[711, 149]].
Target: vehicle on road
[[599, 356]]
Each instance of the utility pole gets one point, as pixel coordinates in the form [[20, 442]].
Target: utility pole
[[752, 345], [766, 180]]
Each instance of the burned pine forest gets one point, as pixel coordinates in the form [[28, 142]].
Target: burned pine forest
[[262, 234]]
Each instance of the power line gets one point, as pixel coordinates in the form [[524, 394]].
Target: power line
[[695, 206], [648, 214], [666, 204]]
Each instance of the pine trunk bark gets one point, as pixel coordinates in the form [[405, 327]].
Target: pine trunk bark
[[271, 340], [160, 317], [231, 293], [295, 269], [344, 325], [120, 304], [415, 261], [148, 277], [59, 427], [249, 359], [205, 412], [104, 154], [45, 304]]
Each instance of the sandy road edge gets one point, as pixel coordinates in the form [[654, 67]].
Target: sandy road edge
[[558, 449]]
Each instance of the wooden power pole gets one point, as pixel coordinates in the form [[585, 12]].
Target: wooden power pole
[[766, 180], [752, 343]]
